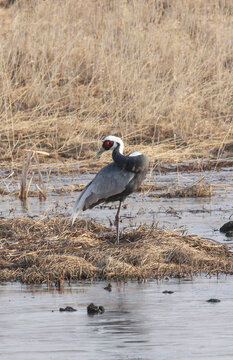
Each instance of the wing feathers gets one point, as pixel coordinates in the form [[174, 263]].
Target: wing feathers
[[110, 181]]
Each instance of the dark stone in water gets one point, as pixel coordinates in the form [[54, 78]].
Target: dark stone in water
[[93, 309], [108, 287], [187, 279], [229, 234], [213, 300], [67, 308], [227, 227], [168, 292]]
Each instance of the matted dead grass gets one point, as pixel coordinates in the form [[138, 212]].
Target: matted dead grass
[[50, 251], [200, 189], [158, 73]]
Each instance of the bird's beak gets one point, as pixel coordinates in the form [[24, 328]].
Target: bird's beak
[[98, 154]]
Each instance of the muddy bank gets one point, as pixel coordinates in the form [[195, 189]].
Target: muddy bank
[[51, 251]]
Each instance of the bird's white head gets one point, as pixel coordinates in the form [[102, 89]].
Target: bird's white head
[[110, 143]]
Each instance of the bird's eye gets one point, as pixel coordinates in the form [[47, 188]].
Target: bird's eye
[[107, 144]]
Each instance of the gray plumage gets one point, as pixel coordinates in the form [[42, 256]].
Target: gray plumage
[[109, 182], [114, 182]]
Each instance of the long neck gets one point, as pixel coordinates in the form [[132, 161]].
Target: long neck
[[120, 147], [123, 162]]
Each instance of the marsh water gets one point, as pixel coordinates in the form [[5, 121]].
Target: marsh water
[[140, 321], [201, 216]]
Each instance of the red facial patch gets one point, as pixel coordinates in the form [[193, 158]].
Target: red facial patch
[[107, 144]]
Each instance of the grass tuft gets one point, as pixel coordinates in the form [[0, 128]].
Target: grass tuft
[[51, 251]]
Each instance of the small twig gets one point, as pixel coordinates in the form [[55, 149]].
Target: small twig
[[41, 187], [25, 167]]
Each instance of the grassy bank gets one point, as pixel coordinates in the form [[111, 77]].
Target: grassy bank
[[51, 251], [157, 73]]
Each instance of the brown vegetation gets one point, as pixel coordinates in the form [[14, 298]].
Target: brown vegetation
[[198, 189], [26, 168], [51, 251], [157, 73]]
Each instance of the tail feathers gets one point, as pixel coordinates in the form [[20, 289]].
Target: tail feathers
[[79, 204], [76, 210]]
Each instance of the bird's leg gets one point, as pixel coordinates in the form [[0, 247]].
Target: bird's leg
[[117, 220]]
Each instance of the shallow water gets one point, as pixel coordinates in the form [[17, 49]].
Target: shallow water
[[140, 322], [201, 216]]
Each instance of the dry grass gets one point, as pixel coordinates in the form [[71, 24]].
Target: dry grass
[[50, 250], [26, 169], [190, 191], [157, 72], [198, 189], [67, 189]]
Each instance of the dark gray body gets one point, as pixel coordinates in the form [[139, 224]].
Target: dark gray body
[[116, 181]]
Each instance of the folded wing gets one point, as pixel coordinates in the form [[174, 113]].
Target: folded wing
[[110, 181]]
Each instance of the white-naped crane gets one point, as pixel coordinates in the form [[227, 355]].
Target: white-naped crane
[[115, 181]]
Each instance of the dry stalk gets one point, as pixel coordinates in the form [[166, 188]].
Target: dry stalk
[[23, 193], [26, 167], [40, 186]]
